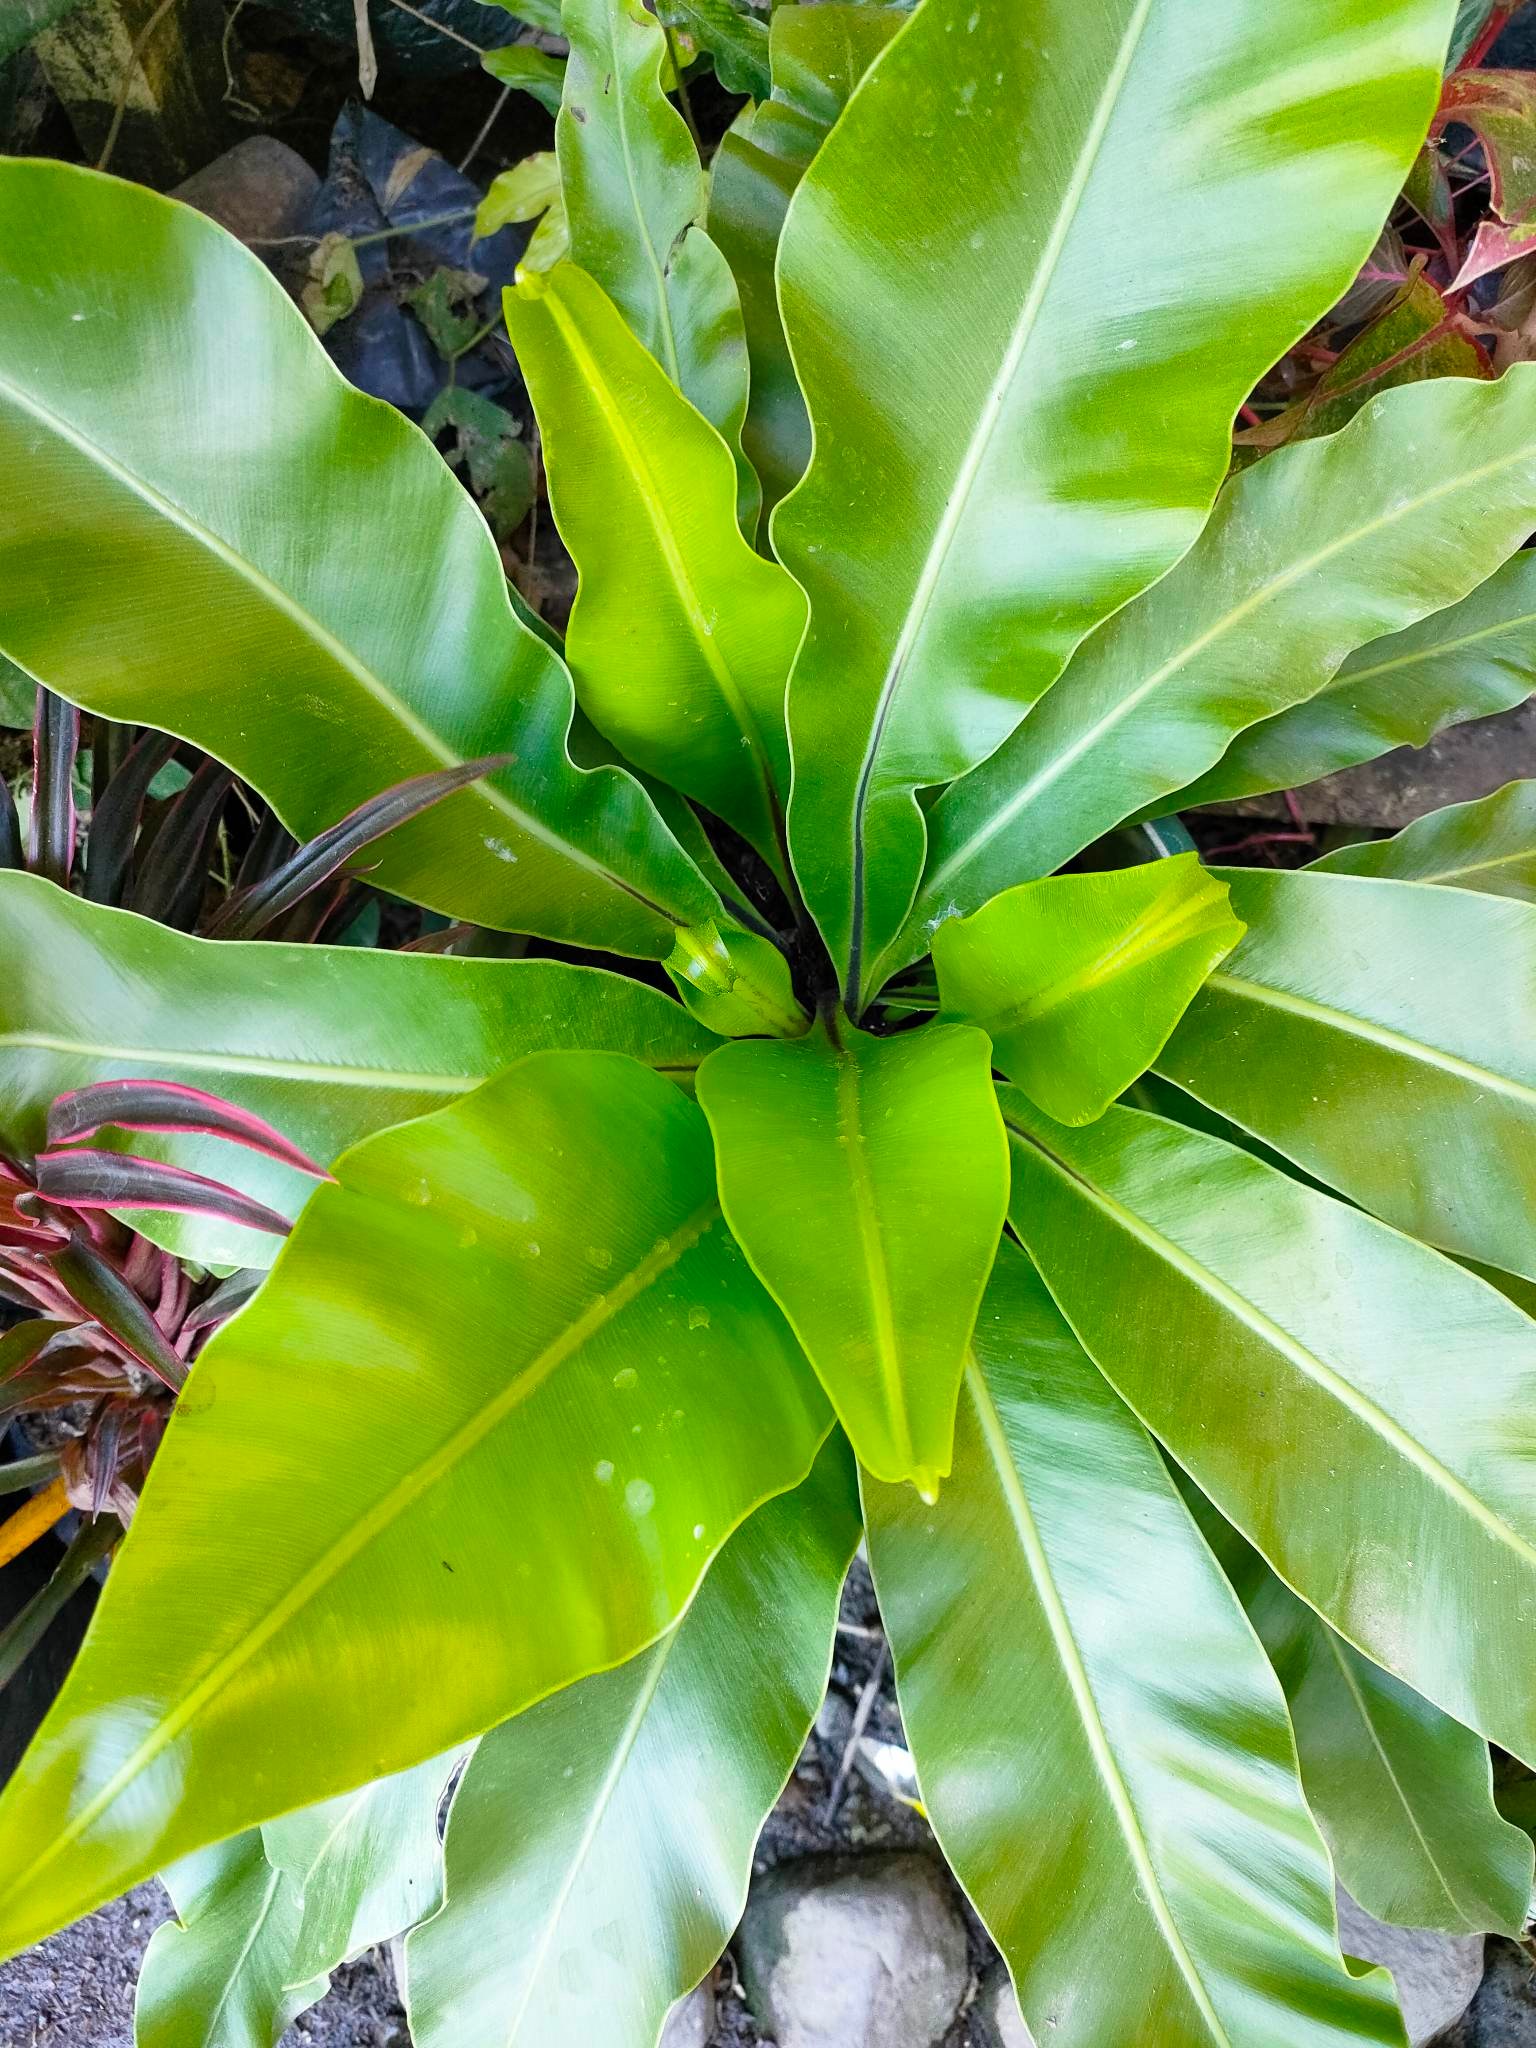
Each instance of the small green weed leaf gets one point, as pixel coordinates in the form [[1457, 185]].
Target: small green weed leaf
[[530, 70]]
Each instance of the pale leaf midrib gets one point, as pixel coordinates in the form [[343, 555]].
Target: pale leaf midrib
[[876, 1263], [1038, 1565], [623, 1750], [211, 2034], [298, 1072], [1158, 930], [957, 502], [382, 1516], [1365, 1411], [1316, 1011], [1349, 678], [372, 684], [1368, 1722]]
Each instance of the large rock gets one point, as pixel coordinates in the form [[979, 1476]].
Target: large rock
[[868, 1953], [1436, 1974], [1503, 2014], [997, 2012], [259, 190]]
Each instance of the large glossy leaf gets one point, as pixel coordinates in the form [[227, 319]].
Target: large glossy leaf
[[866, 1179], [467, 1446], [1403, 1794], [1324, 546], [1092, 1721], [1356, 1404], [1488, 846], [365, 1866], [681, 637], [599, 1847], [1383, 1035], [220, 1975], [284, 571], [1079, 979], [1468, 661], [1048, 448], [329, 1043], [635, 196], [817, 55]]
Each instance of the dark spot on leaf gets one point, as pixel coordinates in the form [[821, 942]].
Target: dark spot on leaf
[[447, 1567], [578, 114]]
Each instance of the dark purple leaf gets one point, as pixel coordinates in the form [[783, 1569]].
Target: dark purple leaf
[[12, 854], [115, 819], [271, 844], [19, 1347], [172, 875], [86, 1179], [251, 910], [168, 1106], [106, 1297], [219, 1306], [55, 742]]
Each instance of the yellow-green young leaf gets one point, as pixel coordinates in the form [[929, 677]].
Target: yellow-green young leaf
[[1314, 551], [329, 1043], [817, 55], [738, 987], [523, 193], [1383, 1035], [599, 1846], [221, 1974], [635, 194], [681, 637], [1079, 979], [1044, 453], [1488, 846], [530, 70], [1402, 1793], [1468, 661], [1093, 1722], [866, 1180], [476, 1408], [285, 572], [1356, 1404]]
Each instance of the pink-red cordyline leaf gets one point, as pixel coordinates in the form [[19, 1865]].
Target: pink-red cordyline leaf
[[82, 1178], [107, 1298], [168, 1106]]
